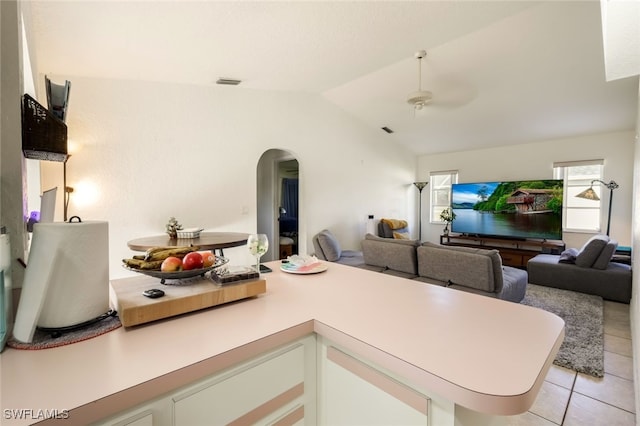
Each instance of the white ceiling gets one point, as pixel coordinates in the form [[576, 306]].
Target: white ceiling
[[502, 73]]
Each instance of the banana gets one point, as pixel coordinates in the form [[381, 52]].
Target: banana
[[152, 250], [143, 265], [170, 251]]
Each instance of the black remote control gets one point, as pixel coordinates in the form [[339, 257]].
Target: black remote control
[[153, 293]]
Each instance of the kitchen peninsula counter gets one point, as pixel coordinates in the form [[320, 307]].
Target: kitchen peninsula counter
[[485, 354]]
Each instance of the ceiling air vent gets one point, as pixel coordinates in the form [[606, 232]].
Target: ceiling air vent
[[228, 81], [386, 129]]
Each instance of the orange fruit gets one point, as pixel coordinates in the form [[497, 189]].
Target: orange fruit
[[208, 257]]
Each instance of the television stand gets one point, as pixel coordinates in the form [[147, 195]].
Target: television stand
[[514, 253]]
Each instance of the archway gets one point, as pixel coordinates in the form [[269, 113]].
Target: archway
[[278, 213]]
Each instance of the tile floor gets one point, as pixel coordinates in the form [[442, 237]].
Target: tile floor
[[574, 399]]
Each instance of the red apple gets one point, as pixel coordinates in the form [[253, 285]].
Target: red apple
[[208, 258], [171, 264], [192, 260]]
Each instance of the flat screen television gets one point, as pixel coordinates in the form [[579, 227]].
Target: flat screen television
[[44, 135], [513, 209]]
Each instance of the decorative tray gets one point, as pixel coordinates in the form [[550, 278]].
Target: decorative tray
[[220, 261], [189, 233]]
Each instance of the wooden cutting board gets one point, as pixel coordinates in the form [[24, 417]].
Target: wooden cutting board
[[134, 308]]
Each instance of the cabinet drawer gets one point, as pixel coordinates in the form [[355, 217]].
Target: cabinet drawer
[[511, 259], [247, 395]]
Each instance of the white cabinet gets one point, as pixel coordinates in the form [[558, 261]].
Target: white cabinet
[[307, 382], [355, 391], [277, 388], [261, 391]]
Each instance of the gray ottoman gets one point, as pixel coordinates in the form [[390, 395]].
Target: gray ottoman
[[514, 284]]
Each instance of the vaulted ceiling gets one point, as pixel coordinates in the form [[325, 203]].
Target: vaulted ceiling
[[501, 73]]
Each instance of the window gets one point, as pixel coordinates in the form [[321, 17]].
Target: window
[[440, 184], [580, 214]]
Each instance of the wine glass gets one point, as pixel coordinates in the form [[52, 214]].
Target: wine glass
[[258, 244]]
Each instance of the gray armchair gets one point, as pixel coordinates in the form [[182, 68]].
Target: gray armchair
[[393, 228], [328, 248]]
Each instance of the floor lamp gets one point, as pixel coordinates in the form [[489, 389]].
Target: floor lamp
[[420, 186], [590, 194]]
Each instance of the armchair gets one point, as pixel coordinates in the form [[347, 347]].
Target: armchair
[[393, 228], [328, 248]]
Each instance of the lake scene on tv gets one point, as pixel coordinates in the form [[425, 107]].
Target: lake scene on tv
[[514, 209]]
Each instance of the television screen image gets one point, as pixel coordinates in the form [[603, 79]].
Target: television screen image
[[512, 209]]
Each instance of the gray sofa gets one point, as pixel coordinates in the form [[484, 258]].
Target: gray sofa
[[588, 270], [474, 270]]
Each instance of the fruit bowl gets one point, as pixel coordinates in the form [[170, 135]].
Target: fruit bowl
[[220, 261]]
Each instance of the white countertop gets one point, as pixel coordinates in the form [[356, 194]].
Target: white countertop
[[486, 354]]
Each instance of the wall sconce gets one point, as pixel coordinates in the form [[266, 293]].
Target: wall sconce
[[590, 194], [420, 186]]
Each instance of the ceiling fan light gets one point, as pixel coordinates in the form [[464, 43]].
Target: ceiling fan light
[[420, 99]]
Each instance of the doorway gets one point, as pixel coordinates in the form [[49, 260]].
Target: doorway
[[278, 212]]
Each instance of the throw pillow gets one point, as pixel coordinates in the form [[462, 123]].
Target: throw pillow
[[401, 235], [568, 256], [591, 250], [395, 223], [329, 245], [605, 256]]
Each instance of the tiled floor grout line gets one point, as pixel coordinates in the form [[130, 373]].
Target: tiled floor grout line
[[601, 401], [571, 391]]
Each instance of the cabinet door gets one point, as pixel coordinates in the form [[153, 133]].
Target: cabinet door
[[139, 417], [267, 390], [354, 392]]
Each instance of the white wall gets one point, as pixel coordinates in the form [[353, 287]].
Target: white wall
[[13, 186], [535, 161], [151, 151], [635, 291]]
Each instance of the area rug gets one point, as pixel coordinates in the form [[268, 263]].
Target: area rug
[[583, 346], [45, 340]]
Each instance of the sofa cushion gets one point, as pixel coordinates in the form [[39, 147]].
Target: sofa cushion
[[329, 245], [605, 255], [464, 266], [388, 253], [411, 243], [591, 250]]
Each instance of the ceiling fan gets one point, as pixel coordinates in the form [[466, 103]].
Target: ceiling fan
[[453, 90], [422, 97]]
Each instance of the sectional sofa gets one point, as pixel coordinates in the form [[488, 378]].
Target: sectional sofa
[[586, 270], [469, 269]]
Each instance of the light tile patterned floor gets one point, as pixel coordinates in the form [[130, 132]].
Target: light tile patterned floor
[[573, 399]]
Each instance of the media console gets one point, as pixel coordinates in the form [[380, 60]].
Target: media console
[[514, 253]]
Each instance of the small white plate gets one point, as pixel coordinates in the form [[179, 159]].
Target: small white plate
[[314, 268]]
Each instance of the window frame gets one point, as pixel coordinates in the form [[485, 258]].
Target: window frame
[[436, 208], [577, 185]]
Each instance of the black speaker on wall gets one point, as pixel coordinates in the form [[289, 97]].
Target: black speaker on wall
[[44, 132], [44, 136]]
